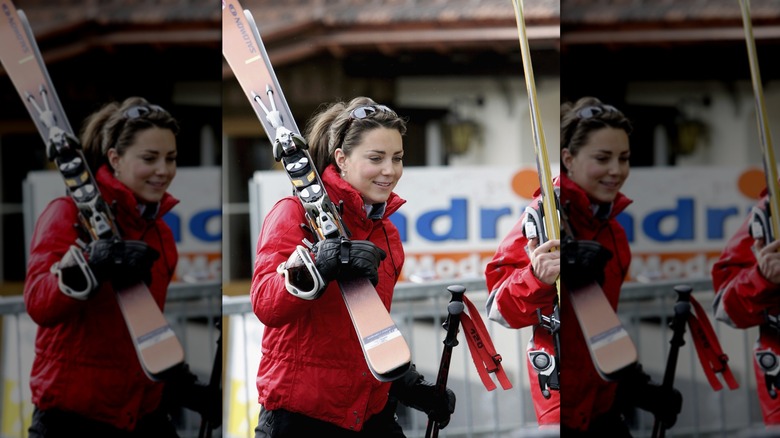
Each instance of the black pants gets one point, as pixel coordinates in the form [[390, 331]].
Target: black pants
[[54, 423], [609, 425], [285, 424]]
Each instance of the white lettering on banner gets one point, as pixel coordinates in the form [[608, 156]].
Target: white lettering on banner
[[672, 265], [446, 265]]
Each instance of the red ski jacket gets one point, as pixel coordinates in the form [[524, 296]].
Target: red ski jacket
[[85, 361], [312, 362], [515, 294], [743, 299]]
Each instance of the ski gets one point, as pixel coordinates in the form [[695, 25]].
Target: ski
[[386, 352], [155, 342], [610, 346]]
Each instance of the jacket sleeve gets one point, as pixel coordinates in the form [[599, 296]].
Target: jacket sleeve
[[514, 292], [743, 294], [280, 234], [55, 231]]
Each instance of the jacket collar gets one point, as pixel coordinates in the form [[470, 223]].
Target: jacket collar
[[579, 204], [124, 203], [340, 190]]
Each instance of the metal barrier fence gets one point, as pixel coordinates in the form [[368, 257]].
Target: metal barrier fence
[[645, 309], [191, 309], [419, 310]]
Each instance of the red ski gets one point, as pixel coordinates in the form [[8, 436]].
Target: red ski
[[384, 348], [610, 346], [156, 344]]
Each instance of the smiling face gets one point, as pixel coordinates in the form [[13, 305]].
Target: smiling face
[[375, 165], [601, 165], [148, 165]]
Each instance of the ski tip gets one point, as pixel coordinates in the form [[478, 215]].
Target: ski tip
[[393, 374], [614, 375], [165, 374]]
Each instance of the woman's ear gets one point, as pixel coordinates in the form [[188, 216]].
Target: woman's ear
[[113, 158], [566, 157], [340, 158]]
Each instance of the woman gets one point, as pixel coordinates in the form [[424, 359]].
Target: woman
[[522, 275], [313, 379], [746, 279], [86, 378]]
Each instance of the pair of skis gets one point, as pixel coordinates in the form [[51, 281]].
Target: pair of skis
[[155, 342], [610, 345], [386, 352]]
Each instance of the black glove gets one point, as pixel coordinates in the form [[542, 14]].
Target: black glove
[[182, 389], [636, 389], [362, 259], [582, 262], [123, 261], [415, 392]]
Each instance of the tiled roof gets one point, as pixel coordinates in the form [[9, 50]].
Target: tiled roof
[[333, 13], [668, 12], [656, 22], [296, 29], [52, 16], [68, 28], [292, 28]]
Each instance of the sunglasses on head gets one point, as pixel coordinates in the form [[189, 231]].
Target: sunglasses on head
[[594, 111], [362, 112], [137, 111]]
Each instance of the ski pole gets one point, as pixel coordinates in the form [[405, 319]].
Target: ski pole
[[206, 426], [452, 325], [764, 131], [682, 310]]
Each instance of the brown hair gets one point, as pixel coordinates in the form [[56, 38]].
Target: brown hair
[[115, 125], [333, 127], [586, 115]]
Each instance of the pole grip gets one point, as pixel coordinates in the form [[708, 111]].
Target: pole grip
[[452, 324], [682, 310]]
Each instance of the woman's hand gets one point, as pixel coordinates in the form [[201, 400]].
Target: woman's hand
[[545, 259], [768, 259]]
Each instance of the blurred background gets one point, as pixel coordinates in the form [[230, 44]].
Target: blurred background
[[679, 70], [454, 70], [97, 52]]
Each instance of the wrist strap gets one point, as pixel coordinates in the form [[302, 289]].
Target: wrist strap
[[713, 359], [483, 353]]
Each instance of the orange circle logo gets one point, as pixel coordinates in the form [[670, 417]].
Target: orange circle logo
[[525, 183], [751, 183]]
